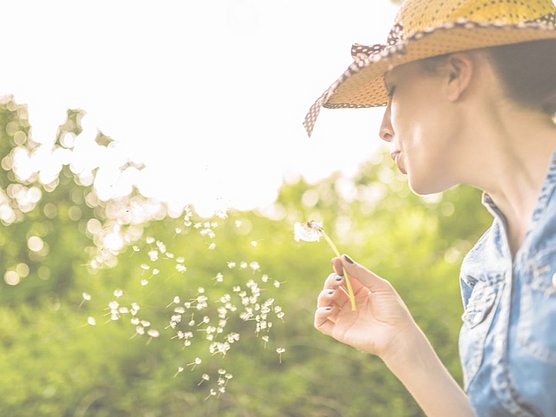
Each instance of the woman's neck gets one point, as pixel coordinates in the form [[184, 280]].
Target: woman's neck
[[515, 149]]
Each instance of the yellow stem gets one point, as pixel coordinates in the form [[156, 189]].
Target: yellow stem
[[348, 282]]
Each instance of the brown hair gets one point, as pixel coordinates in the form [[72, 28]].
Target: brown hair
[[527, 70]]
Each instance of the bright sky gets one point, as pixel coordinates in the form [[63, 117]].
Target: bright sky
[[210, 95]]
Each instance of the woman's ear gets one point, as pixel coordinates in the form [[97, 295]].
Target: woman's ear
[[460, 70]]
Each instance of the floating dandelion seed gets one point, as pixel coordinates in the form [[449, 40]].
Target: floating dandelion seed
[[153, 333], [312, 231], [253, 243], [118, 293], [212, 246], [204, 377], [91, 321], [279, 351], [197, 361], [86, 297], [179, 371]]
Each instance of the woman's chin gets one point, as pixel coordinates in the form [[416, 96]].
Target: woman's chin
[[425, 187]]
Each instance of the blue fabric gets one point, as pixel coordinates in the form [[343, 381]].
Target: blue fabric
[[508, 338]]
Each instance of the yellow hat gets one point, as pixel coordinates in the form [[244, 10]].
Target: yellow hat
[[426, 28]]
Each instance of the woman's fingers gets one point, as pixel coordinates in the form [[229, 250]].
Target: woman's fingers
[[365, 277], [333, 293], [325, 319]]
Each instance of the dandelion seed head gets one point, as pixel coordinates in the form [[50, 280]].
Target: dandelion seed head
[[231, 265], [309, 232], [181, 268], [176, 299], [153, 255], [139, 330], [113, 305], [254, 266], [144, 282], [276, 284], [91, 321], [145, 267], [212, 246], [253, 243], [136, 248], [219, 277], [86, 297], [156, 271], [118, 293], [149, 239]]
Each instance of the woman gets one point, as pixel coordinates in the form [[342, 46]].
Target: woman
[[470, 95]]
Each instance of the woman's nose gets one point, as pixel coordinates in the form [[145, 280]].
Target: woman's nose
[[386, 132]]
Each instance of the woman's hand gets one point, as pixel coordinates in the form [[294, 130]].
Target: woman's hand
[[381, 325]]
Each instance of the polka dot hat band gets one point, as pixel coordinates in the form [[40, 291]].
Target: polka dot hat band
[[426, 28]]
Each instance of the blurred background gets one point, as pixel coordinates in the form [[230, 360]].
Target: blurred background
[[152, 165]]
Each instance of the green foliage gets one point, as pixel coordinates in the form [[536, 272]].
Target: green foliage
[[54, 364]]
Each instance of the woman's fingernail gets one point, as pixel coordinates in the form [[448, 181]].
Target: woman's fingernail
[[339, 278], [328, 308], [330, 292], [348, 259]]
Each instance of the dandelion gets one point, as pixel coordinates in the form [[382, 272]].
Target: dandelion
[[312, 231], [153, 333], [197, 361], [204, 377], [279, 351]]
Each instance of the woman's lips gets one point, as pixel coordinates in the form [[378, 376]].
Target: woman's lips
[[396, 156]]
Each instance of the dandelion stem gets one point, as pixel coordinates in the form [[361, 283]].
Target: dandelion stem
[[348, 281]]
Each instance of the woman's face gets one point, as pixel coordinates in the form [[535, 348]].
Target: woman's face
[[421, 125]]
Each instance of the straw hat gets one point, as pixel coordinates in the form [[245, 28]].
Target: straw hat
[[426, 28]]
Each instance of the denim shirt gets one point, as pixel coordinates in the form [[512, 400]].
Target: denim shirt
[[508, 339]]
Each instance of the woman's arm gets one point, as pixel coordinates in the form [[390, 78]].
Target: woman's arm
[[383, 326]]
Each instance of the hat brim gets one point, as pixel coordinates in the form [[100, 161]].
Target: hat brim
[[362, 84]]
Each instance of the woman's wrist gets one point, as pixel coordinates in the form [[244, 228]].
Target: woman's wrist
[[417, 366]]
